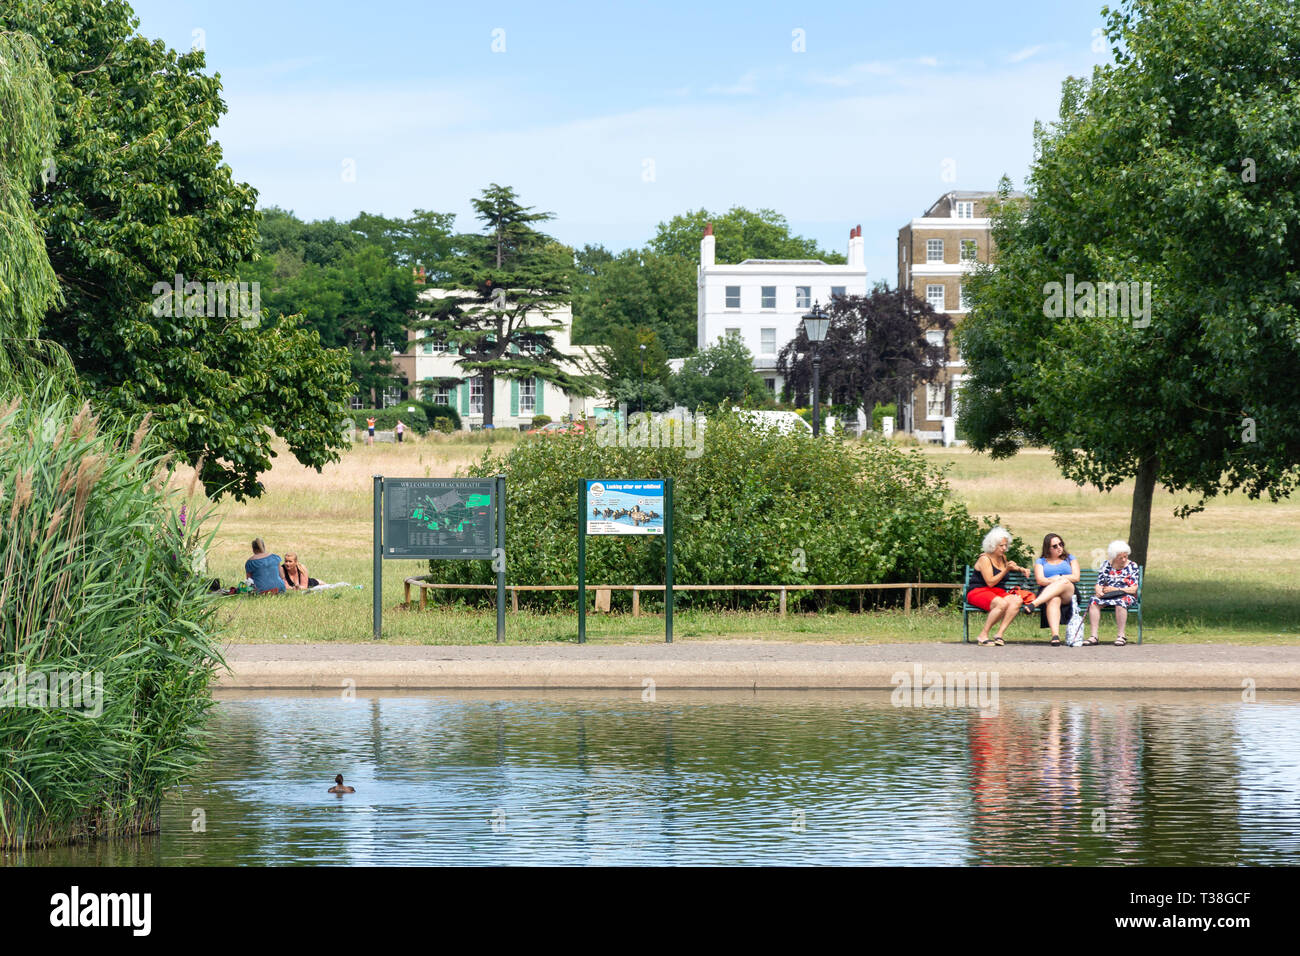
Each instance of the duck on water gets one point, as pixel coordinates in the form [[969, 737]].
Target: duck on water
[[339, 787]]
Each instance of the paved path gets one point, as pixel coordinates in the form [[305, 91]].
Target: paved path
[[755, 664]]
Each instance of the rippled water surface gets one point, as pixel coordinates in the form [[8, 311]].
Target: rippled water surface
[[714, 778]]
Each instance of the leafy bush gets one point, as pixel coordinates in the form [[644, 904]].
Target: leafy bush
[[102, 577], [755, 507], [880, 413], [441, 418], [540, 420], [386, 418]]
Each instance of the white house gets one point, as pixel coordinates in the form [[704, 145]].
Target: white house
[[763, 300], [515, 401]]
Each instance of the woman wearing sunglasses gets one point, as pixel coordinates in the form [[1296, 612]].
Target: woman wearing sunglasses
[[1056, 573]]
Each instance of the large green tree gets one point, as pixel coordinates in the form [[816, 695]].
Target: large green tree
[[632, 369], [1175, 166], [875, 350], [138, 194], [722, 373], [28, 285], [502, 286]]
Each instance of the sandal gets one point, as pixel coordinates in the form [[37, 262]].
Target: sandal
[[982, 643], [998, 642], [1120, 641], [1028, 608], [1090, 642], [1055, 641]]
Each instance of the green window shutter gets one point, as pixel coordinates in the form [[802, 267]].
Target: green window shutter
[[539, 388], [514, 397], [463, 388]]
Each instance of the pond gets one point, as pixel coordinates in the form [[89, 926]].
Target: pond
[[1149, 777]]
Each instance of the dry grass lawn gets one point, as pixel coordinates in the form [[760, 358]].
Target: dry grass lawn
[[1230, 573]]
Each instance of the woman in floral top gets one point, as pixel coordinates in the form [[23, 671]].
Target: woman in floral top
[[1116, 574]]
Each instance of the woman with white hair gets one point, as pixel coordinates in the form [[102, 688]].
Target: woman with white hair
[[990, 570], [1117, 587]]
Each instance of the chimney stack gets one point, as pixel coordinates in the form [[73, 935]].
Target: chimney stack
[[857, 251], [706, 246]]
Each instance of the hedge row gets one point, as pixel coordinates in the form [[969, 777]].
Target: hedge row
[[753, 507]]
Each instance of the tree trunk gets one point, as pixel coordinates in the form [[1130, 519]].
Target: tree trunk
[[489, 395], [1139, 525]]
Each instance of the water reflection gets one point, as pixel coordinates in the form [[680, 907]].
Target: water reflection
[[823, 778]]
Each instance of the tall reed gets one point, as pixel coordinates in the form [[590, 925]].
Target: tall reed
[[99, 578]]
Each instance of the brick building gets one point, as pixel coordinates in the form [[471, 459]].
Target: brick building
[[935, 253]]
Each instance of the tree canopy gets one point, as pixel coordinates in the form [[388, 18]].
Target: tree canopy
[[138, 194], [502, 286], [875, 349], [722, 373], [1143, 320]]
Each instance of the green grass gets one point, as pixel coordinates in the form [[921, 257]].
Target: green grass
[[1230, 574]]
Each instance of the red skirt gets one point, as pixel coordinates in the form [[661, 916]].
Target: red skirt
[[982, 598]]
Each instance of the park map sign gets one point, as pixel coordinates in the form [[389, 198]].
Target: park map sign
[[447, 518]]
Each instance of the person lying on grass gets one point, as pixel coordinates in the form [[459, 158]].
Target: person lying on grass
[[264, 569], [295, 575]]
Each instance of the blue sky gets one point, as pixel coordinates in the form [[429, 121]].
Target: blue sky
[[618, 116]]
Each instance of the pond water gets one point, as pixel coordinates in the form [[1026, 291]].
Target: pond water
[[1152, 778]]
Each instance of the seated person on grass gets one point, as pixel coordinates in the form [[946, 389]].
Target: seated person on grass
[[295, 575], [264, 569]]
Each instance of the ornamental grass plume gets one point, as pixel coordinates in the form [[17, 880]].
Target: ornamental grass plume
[[91, 586], [141, 431]]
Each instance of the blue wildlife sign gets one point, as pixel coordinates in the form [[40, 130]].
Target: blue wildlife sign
[[625, 507]]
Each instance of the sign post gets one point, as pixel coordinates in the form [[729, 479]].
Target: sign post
[[625, 507], [499, 558], [668, 561], [450, 519], [377, 578]]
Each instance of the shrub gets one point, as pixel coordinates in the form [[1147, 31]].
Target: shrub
[[880, 413], [101, 578], [386, 418], [755, 507], [540, 420], [441, 418]]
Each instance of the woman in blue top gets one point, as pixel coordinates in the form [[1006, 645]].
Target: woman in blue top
[[1056, 572], [264, 569]]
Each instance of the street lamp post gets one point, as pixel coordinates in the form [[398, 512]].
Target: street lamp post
[[642, 390], [815, 324]]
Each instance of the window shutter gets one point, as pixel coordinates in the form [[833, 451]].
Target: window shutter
[[514, 397], [463, 388], [539, 406]]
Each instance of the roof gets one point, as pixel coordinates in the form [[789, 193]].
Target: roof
[[782, 262]]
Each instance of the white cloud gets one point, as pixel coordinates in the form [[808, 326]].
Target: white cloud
[[826, 158], [1021, 55], [742, 87], [855, 74]]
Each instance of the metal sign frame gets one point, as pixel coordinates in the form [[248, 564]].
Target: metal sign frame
[[497, 556], [582, 554]]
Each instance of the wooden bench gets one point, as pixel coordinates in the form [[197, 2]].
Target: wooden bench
[[1084, 590]]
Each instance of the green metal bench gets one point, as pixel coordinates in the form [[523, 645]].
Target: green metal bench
[[1084, 590]]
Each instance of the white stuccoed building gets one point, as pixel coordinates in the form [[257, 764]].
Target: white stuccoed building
[[763, 300], [516, 401]]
